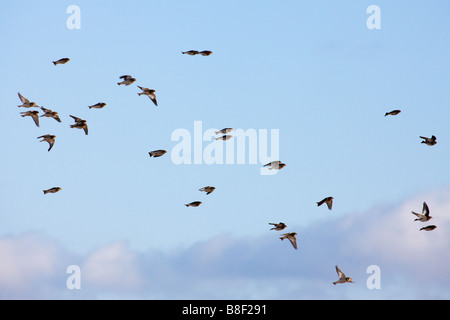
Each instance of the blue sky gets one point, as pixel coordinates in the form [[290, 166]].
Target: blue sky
[[310, 69]]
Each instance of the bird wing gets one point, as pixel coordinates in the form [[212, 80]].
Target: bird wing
[[417, 214], [35, 118], [293, 240], [85, 128], [330, 203], [23, 99], [341, 275], [51, 143], [126, 77], [153, 98], [425, 210], [76, 118], [321, 202]]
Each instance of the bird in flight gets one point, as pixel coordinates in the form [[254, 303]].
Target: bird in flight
[[291, 237], [49, 138], [51, 114], [98, 105], [127, 80], [61, 61], [225, 137], [205, 52], [425, 216], [193, 204], [342, 277], [190, 52], [392, 113], [34, 114], [429, 141], [224, 131], [157, 153], [52, 190], [278, 226], [149, 93], [275, 165], [80, 124], [207, 189], [328, 201], [25, 102], [428, 228]]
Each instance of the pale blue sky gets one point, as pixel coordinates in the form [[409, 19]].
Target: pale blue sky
[[311, 69]]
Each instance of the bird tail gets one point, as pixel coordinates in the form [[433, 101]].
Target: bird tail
[[54, 63], [45, 191]]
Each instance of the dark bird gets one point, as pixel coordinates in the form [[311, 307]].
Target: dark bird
[[393, 113], [342, 277], [278, 226], [328, 201], [425, 216], [50, 114], [52, 190], [25, 102], [291, 237], [98, 105], [207, 189], [49, 138], [205, 52], [190, 52], [429, 141], [80, 124], [127, 80], [61, 61], [428, 228], [149, 93], [193, 204], [34, 114], [225, 137], [278, 165], [157, 153], [224, 131]]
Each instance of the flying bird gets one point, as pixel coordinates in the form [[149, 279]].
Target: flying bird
[[51, 114], [49, 138], [149, 93], [25, 102], [278, 165], [342, 277], [393, 113], [61, 61], [80, 124], [193, 204], [127, 80], [328, 201], [428, 228], [278, 226], [207, 189], [98, 105], [291, 237], [429, 141], [157, 153], [205, 52], [224, 131], [225, 137], [52, 190], [34, 114], [425, 216], [190, 52]]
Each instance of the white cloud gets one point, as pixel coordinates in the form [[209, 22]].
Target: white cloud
[[414, 264]]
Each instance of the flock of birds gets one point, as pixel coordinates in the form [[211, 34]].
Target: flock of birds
[[224, 135]]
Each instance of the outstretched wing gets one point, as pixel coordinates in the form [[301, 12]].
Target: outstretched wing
[[293, 240], [23, 99], [340, 274], [425, 210]]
